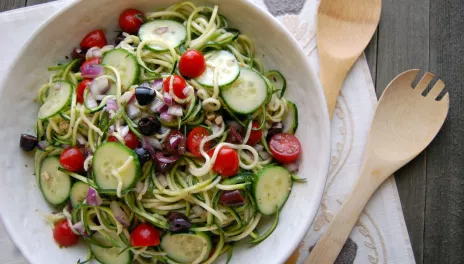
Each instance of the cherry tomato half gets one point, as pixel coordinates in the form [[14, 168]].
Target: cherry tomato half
[[63, 234], [145, 235], [72, 159], [285, 147], [92, 61], [192, 64], [130, 140], [130, 20], [81, 89], [95, 38], [178, 85], [227, 163], [194, 139], [255, 135]]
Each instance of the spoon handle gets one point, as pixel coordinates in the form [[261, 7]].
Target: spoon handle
[[332, 241]]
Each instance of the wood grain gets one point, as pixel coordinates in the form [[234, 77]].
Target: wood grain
[[444, 215], [6, 5], [36, 2], [403, 44]]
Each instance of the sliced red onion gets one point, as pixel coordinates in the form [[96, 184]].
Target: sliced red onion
[[264, 154], [111, 105], [167, 99], [99, 86], [277, 125], [81, 139], [155, 143], [127, 97], [42, 145], [92, 70], [91, 102], [174, 141], [216, 129], [119, 213], [158, 84], [158, 106], [132, 111], [292, 167], [146, 144], [94, 52], [163, 129], [236, 125], [93, 198], [165, 158], [235, 137], [162, 180], [186, 90], [175, 110], [79, 226], [161, 30], [124, 131], [166, 117]]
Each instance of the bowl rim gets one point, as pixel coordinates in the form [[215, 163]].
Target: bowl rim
[[276, 25]]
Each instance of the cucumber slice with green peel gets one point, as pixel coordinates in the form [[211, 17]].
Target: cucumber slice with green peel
[[54, 184], [110, 255], [247, 93], [111, 157], [272, 187], [78, 193], [290, 118], [126, 64], [278, 80], [172, 32], [226, 66], [59, 96], [186, 248]]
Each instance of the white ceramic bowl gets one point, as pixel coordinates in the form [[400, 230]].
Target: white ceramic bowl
[[20, 199]]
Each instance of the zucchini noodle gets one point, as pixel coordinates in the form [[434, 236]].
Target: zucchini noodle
[[181, 180]]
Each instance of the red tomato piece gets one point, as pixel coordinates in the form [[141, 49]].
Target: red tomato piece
[[192, 64], [72, 159], [81, 89], [179, 84], [95, 38], [93, 61], [145, 235], [194, 139], [63, 234], [112, 139], [131, 140], [227, 162], [130, 20], [255, 135], [285, 147]]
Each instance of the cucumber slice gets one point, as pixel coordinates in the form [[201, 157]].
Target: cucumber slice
[[186, 248], [78, 193], [55, 185], [108, 254], [290, 118], [172, 32], [226, 66], [125, 63], [59, 96], [278, 80], [247, 93], [109, 157], [272, 188]]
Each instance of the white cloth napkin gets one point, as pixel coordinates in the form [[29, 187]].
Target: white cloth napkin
[[380, 235]]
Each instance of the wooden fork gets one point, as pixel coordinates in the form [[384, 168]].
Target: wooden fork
[[404, 124]]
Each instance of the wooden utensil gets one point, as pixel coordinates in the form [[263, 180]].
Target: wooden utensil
[[405, 122], [344, 28]]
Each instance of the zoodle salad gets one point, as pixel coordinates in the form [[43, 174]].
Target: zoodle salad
[[168, 146]]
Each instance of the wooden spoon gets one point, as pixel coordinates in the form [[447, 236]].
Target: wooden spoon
[[344, 28], [405, 122]]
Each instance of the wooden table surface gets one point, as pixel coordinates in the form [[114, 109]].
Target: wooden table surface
[[428, 35]]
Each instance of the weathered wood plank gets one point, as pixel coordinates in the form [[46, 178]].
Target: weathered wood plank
[[36, 2], [371, 55], [402, 45], [444, 222], [6, 5]]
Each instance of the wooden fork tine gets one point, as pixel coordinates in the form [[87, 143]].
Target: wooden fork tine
[[436, 90], [424, 82]]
